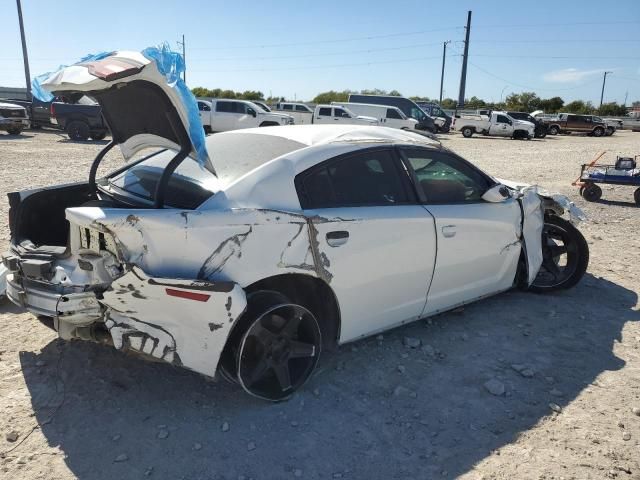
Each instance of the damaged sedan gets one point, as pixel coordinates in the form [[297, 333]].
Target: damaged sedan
[[251, 252]]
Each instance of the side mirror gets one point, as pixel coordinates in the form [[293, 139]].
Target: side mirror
[[252, 112], [496, 194]]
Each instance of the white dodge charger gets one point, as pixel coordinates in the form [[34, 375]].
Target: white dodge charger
[[252, 252]]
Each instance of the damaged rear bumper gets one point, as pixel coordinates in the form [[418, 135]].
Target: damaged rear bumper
[[182, 322]]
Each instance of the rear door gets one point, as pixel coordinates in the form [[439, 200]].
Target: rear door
[[375, 244], [478, 242], [223, 119], [323, 115]]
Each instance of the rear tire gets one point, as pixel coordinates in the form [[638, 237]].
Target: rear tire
[[274, 348], [467, 132], [636, 196], [565, 255], [14, 131], [78, 130], [591, 192], [554, 130]]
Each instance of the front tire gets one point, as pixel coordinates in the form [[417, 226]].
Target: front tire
[[554, 130], [467, 132], [14, 131], [598, 132], [565, 256], [98, 136], [636, 196]]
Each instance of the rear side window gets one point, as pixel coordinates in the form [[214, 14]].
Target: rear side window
[[391, 113], [370, 178], [226, 107], [287, 107], [324, 112]]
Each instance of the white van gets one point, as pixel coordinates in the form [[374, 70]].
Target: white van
[[301, 113], [335, 115], [221, 115], [387, 116]]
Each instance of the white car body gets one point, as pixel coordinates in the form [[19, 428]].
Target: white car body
[[335, 115], [499, 124], [301, 112], [172, 282], [387, 116], [223, 115]]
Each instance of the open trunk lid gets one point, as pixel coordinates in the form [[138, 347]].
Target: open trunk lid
[[143, 99]]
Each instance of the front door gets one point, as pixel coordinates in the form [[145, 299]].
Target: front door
[[502, 126], [478, 242], [374, 245]]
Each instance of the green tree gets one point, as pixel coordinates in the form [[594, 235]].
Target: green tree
[[612, 109], [448, 103], [579, 106], [474, 103], [551, 105], [250, 95], [332, 96], [395, 93]]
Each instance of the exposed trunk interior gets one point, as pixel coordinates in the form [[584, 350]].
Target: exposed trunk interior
[[39, 215]]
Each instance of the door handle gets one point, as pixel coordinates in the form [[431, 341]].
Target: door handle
[[449, 231], [337, 238]]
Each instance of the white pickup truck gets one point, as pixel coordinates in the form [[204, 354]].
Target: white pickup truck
[[334, 115], [222, 115], [499, 124]]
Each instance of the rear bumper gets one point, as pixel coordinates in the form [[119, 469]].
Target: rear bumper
[[53, 301]]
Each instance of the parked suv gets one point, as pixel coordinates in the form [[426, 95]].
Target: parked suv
[[570, 122], [540, 126], [221, 115]]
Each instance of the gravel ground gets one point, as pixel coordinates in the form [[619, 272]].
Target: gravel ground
[[566, 367]]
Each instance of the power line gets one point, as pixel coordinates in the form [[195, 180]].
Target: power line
[[527, 57], [527, 86], [315, 67], [327, 54], [559, 41], [337, 40], [566, 24]]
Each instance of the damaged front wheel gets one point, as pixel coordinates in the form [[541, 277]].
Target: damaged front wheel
[[565, 256]]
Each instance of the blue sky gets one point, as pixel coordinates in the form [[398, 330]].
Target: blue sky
[[300, 48]]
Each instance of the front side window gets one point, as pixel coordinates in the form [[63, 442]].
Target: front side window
[[203, 107], [301, 108], [417, 114], [370, 178], [502, 119], [324, 112], [339, 112], [239, 107], [446, 179], [391, 113], [287, 107]]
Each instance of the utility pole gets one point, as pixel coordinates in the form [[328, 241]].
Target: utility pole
[[444, 56], [604, 80], [463, 75], [184, 59], [25, 58]]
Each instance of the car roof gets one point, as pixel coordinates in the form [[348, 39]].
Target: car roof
[[315, 135]]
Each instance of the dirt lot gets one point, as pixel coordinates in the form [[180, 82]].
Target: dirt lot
[[375, 408]]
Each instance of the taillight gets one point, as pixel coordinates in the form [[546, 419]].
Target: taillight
[[52, 110]]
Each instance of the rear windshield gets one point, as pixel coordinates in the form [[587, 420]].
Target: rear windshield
[[232, 156]]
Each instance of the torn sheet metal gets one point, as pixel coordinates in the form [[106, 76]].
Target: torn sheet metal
[[532, 224], [183, 322]]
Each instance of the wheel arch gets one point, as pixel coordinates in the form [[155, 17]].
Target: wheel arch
[[312, 293]]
